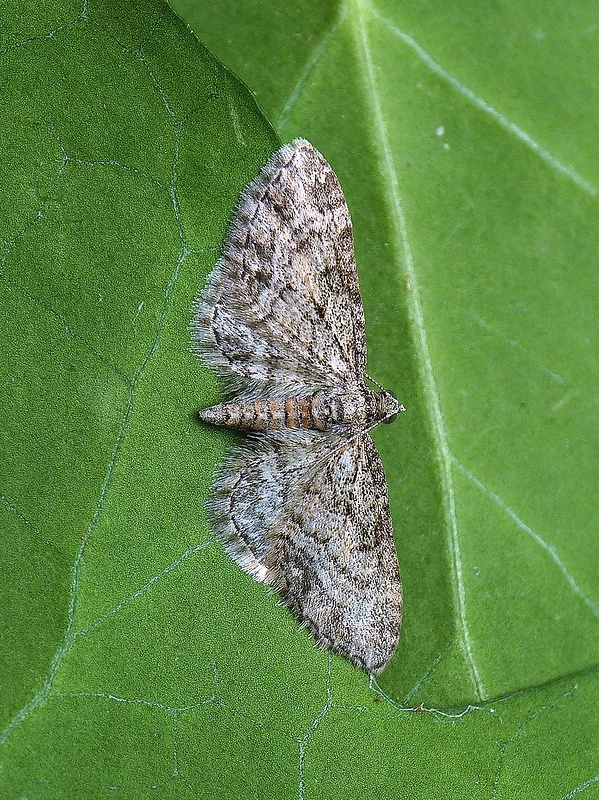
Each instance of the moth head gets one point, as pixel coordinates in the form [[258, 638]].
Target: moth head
[[390, 406]]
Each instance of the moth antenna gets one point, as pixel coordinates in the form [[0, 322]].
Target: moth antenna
[[376, 383]]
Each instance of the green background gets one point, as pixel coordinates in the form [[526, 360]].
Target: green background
[[136, 660]]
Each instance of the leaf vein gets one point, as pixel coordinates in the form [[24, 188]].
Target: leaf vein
[[317, 54], [548, 548], [505, 123]]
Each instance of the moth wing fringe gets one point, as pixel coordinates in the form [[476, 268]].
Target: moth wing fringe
[[323, 642]]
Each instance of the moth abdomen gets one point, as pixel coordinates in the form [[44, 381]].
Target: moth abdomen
[[246, 415], [320, 411], [268, 414]]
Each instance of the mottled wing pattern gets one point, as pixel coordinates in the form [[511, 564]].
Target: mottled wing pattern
[[282, 306], [338, 566], [308, 514], [252, 490]]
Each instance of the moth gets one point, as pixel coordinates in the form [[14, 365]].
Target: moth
[[302, 504]]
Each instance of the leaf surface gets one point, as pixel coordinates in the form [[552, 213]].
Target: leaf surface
[[138, 660]]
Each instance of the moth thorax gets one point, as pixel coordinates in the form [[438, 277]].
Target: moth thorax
[[335, 408]]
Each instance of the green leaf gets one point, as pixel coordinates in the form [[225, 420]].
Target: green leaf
[[473, 196], [465, 141], [137, 660]]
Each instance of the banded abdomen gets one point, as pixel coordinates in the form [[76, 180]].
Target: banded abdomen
[[319, 411]]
